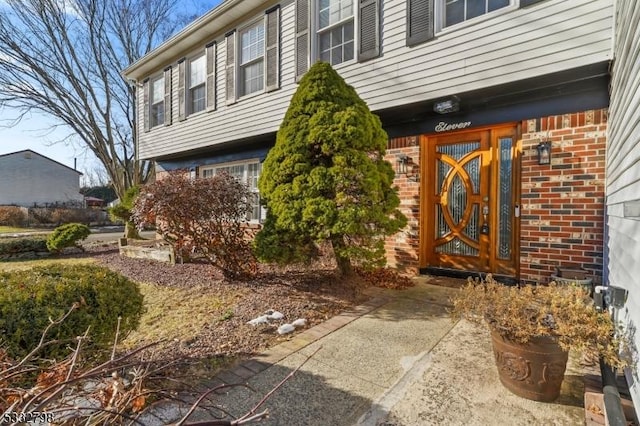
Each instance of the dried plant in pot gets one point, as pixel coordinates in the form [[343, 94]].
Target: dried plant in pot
[[533, 328]]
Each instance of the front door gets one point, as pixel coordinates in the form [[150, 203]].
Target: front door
[[469, 201]]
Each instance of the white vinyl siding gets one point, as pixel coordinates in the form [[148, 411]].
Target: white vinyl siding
[[156, 115], [548, 37], [251, 56], [246, 173], [623, 170], [30, 179], [197, 84]]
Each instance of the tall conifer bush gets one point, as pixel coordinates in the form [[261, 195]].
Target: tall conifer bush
[[326, 178]]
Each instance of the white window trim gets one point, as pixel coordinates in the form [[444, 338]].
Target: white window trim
[[239, 65], [215, 167], [315, 31], [439, 17], [151, 103], [187, 83]]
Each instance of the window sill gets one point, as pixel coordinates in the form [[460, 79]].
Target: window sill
[[250, 95], [341, 65], [195, 114], [477, 20]]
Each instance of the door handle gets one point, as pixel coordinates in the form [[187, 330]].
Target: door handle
[[484, 229]]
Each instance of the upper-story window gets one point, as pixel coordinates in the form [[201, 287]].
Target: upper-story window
[[157, 101], [252, 59], [197, 84], [335, 30], [456, 11]]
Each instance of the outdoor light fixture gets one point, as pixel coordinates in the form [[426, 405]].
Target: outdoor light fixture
[[401, 164], [192, 173], [445, 106], [544, 153], [404, 167]]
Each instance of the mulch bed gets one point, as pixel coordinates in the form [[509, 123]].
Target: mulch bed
[[312, 292]]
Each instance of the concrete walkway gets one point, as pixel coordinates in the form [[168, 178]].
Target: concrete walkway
[[397, 360]]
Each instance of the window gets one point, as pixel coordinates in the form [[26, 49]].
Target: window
[[157, 101], [197, 84], [335, 30], [456, 11], [252, 59], [247, 173]]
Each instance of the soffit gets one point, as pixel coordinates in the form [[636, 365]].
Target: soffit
[[199, 32]]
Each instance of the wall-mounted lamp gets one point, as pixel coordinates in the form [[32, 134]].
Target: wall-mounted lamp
[[544, 153], [404, 166], [192, 173], [401, 164], [447, 105]]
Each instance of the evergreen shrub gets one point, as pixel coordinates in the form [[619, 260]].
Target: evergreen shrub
[[30, 299], [10, 246], [67, 236]]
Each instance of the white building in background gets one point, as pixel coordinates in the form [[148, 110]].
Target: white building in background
[[30, 179]]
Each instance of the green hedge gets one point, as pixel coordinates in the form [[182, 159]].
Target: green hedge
[[67, 236], [22, 245], [28, 299]]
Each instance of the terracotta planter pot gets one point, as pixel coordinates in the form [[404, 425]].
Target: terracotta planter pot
[[534, 370]]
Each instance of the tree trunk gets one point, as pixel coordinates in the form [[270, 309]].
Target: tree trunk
[[344, 267], [130, 231]]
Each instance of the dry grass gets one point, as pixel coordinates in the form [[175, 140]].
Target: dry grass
[[28, 264], [13, 230], [172, 314], [178, 313]]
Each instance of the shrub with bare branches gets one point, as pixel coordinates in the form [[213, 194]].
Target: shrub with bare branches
[[206, 217], [127, 389], [12, 216]]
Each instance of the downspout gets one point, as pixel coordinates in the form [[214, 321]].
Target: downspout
[[611, 298]]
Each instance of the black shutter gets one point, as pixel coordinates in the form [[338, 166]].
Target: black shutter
[[230, 71], [419, 21], [167, 96], [211, 52], [272, 53], [181, 92], [145, 104], [302, 38], [525, 3], [369, 31]]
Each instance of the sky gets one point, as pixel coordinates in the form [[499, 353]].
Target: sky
[[35, 131]]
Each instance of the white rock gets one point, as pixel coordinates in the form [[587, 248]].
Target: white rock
[[301, 322], [286, 329], [275, 315], [262, 319]]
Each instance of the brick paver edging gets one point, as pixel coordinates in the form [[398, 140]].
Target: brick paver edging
[[257, 364]]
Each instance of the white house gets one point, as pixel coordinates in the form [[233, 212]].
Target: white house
[[512, 154], [29, 179], [466, 93]]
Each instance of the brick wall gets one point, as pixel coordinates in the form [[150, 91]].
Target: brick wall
[[562, 221], [402, 248], [562, 215]]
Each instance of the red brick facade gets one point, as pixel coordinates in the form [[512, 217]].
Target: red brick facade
[[402, 248], [562, 204], [562, 219]]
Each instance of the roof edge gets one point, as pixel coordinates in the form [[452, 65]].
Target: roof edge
[[43, 156], [132, 72]]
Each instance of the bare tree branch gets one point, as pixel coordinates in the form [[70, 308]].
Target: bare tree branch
[[63, 58]]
